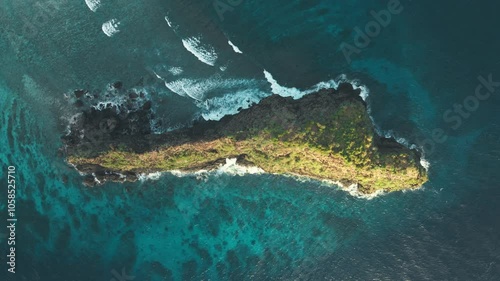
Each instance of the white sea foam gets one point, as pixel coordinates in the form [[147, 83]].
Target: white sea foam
[[169, 22], [72, 121], [231, 98], [281, 90], [235, 48], [107, 104], [196, 89], [150, 176], [204, 52], [330, 84], [157, 76], [112, 100], [356, 84], [176, 87], [392, 135], [297, 93], [241, 93], [185, 88], [353, 190], [172, 24], [234, 94], [96, 179], [174, 71], [93, 4], [117, 100], [231, 167], [110, 27], [425, 163], [218, 107], [364, 93]]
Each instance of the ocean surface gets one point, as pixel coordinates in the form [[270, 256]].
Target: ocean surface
[[205, 59]]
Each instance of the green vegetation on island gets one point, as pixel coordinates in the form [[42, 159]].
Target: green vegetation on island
[[326, 135]]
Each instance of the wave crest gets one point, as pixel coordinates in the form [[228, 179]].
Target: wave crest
[[93, 4], [204, 52], [110, 27]]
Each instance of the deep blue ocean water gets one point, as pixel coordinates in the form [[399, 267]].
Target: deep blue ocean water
[[251, 227]]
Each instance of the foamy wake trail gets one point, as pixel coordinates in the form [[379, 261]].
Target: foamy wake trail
[[93, 4], [235, 48], [204, 52], [110, 27]]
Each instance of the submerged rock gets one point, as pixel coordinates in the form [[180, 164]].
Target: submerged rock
[[327, 135], [79, 93]]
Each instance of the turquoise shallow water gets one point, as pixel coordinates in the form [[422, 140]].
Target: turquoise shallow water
[[253, 227]]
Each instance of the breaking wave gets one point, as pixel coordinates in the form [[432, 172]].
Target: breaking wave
[[150, 176], [230, 104], [232, 94], [93, 4], [295, 93], [110, 27], [231, 167], [176, 70], [205, 53]]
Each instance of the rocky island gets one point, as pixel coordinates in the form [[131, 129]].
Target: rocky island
[[326, 135]]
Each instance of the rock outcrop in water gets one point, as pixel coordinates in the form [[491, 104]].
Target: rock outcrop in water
[[326, 135]]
